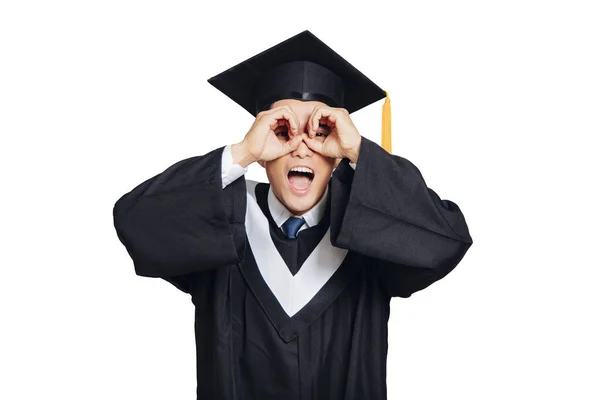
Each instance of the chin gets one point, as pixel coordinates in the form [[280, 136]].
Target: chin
[[300, 202], [300, 206]]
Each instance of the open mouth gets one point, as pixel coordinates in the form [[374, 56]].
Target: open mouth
[[300, 178]]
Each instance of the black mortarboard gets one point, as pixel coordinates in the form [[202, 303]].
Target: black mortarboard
[[304, 68]]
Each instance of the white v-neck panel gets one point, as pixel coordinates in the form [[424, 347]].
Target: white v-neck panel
[[293, 292]]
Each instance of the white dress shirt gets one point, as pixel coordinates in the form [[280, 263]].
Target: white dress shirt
[[230, 172]]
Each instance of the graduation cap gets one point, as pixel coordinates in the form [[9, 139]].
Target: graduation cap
[[303, 68]]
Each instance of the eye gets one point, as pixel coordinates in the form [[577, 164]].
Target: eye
[[281, 132], [324, 130]]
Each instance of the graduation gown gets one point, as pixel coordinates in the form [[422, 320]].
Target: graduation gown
[[302, 319]]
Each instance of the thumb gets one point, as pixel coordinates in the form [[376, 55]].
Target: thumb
[[293, 143], [313, 144]]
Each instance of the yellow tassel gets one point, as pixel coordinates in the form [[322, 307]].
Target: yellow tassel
[[386, 124]]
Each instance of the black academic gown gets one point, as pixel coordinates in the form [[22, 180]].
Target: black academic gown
[[400, 237]]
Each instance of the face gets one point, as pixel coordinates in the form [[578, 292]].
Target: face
[[289, 186]]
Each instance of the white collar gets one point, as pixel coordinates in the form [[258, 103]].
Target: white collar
[[293, 292], [281, 214]]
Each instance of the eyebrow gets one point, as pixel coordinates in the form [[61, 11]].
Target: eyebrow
[[324, 126]]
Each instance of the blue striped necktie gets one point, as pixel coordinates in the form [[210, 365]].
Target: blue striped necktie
[[292, 226]]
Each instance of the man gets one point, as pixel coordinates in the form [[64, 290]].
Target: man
[[292, 279]]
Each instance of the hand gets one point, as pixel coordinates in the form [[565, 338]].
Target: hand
[[261, 143], [343, 140]]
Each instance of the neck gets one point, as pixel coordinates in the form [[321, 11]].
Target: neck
[[280, 212], [301, 213]]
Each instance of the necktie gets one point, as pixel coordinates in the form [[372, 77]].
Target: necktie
[[292, 225]]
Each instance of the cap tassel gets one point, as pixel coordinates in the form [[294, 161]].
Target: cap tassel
[[386, 125]]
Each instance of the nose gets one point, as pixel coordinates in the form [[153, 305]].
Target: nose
[[302, 151]]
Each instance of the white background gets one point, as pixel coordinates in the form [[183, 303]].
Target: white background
[[497, 103]]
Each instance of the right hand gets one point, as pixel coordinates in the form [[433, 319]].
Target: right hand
[[261, 143]]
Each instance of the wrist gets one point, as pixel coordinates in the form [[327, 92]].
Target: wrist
[[353, 153], [241, 155]]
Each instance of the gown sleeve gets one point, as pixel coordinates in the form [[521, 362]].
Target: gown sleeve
[[383, 209], [183, 221]]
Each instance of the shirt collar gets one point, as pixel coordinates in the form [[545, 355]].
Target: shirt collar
[[281, 214]]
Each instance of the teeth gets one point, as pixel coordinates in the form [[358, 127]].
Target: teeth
[[302, 169]]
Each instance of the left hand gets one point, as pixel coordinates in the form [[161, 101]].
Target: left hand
[[343, 140]]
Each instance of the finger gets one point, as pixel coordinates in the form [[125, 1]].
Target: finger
[[310, 122], [314, 144], [293, 131], [281, 116], [288, 125], [296, 120], [294, 123], [275, 115], [292, 144], [325, 114]]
